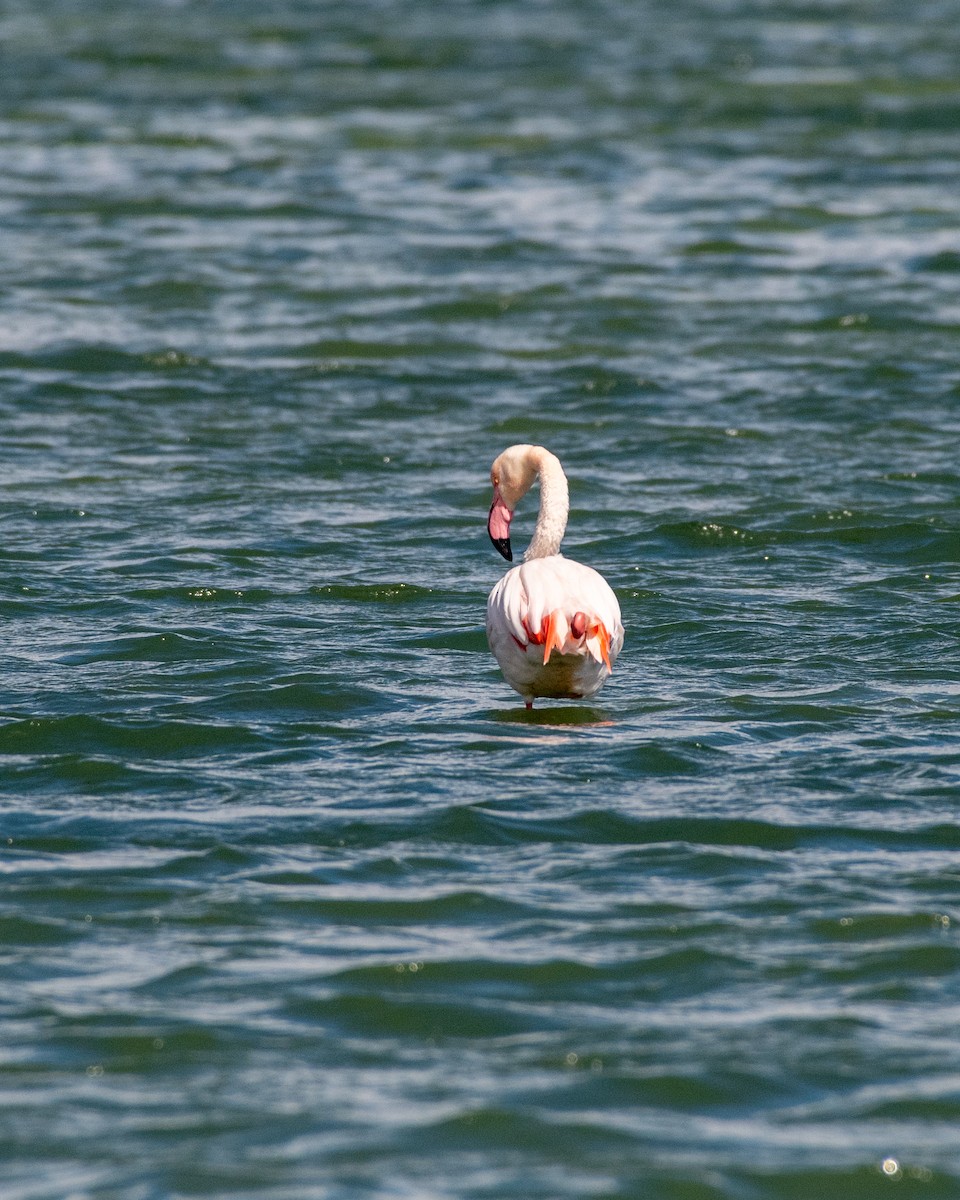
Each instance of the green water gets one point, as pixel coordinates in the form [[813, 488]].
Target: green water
[[296, 901]]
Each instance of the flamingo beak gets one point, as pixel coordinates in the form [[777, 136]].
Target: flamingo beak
[[498, 525]]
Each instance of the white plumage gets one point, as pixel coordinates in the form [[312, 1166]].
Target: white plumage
[[553, 624]]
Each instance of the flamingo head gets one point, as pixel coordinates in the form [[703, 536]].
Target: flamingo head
[[512, 476]]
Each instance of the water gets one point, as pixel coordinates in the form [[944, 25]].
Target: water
[[297, 901]]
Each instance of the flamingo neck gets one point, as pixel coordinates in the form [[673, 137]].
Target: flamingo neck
[[554, 506]]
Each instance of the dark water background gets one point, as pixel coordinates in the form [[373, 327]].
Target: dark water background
[[295, 901]]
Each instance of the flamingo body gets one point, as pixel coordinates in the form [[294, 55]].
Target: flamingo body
[[554, 627], [553, 624]]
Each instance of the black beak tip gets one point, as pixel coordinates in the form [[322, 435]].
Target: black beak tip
[[503, 547]]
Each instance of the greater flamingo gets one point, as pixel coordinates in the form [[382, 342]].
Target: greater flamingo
[[553, 624]]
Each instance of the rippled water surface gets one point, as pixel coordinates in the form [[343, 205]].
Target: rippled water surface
[[297, 902]]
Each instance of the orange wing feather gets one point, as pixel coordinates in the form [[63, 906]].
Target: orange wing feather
[[551, 637]]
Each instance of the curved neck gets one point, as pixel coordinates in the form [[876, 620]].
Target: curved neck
[[554, 506]]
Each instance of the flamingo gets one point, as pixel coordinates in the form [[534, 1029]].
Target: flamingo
[[553, 624]]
